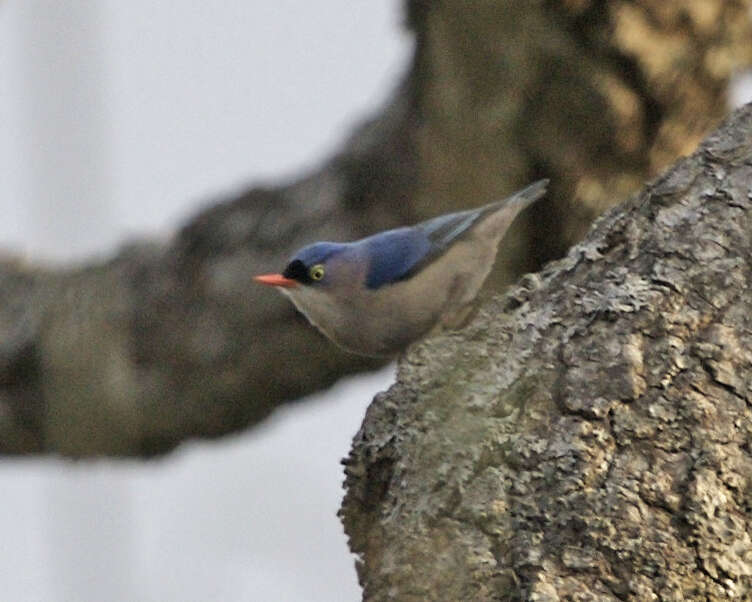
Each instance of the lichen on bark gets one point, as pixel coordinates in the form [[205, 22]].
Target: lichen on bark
[[589, 435]]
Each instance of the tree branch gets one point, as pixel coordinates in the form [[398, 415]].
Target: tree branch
[[589, 436]]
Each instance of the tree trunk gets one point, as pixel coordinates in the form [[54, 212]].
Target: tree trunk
[[589, 436], [170, 341]]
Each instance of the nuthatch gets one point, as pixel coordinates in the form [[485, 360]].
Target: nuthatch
[[377, 295]]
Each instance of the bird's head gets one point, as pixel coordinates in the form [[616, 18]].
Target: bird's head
[[318, 266]]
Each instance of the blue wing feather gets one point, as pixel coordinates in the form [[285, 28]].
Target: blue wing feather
[[396, 254], [393, 253]]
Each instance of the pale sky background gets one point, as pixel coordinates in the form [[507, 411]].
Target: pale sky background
[[123, 118]]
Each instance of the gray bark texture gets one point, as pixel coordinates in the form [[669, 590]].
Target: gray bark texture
[[171, 340], [589, 435]]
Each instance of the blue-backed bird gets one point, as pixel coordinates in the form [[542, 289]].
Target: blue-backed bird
[[377, 295]]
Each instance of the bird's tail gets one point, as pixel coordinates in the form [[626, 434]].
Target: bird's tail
[[520, 199], [496, 218]]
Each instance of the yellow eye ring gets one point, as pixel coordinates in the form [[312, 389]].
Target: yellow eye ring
[[316, 272]]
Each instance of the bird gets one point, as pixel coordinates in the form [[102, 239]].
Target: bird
[[377, 295]]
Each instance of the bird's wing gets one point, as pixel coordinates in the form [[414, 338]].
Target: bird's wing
[[393, 254], [445, 230], [397, 254], [442, 231]]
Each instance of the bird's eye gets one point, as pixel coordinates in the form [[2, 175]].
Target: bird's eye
[[317, 272]]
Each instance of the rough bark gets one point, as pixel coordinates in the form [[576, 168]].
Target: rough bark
[[589, 435], [169, 341]]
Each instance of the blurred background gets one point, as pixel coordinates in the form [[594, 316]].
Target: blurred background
[[121, 119]]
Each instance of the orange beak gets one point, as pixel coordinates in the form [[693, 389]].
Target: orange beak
[[275, 280]]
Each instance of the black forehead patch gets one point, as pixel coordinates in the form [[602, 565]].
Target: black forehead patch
[[296, 270]]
